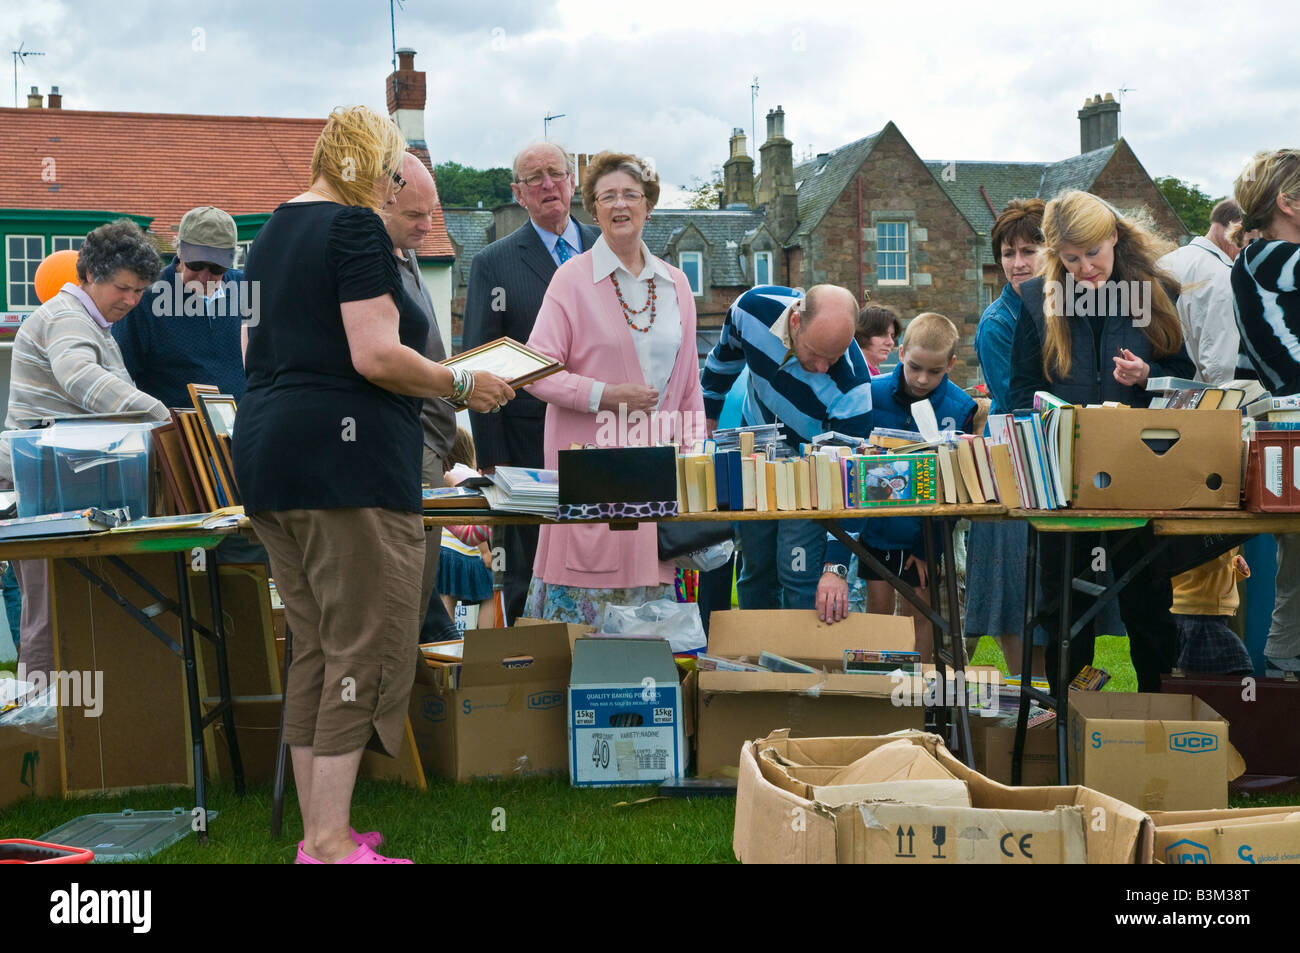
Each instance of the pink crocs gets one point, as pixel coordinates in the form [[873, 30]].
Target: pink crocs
[[364, 854], [371, 839]]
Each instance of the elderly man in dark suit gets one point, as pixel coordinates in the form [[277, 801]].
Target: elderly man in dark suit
[[507, 281]]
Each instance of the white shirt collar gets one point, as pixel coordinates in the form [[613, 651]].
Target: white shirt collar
[[1201, 241], [570, 236], [604, 263]]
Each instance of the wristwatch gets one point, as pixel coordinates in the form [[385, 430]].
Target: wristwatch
[[839, 569]]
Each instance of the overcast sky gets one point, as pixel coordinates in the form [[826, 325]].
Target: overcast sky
[[1208, 83]]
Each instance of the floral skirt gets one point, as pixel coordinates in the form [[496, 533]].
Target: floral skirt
[[580, 606]]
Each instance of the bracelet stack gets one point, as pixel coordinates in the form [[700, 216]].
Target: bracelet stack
[[462, 385]]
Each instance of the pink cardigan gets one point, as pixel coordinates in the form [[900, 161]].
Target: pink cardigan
[[580, 323]]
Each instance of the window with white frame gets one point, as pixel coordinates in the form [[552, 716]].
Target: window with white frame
[[891, 253], [23, 254], [67, 243], [762, 267], [692, 263]]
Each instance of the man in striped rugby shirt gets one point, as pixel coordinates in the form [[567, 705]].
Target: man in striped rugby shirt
[[806, 371]]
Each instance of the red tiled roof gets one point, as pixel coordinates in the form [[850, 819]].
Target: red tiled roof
[[162, 165]]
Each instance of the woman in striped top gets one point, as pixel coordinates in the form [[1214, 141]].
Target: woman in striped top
[[1266, 298]]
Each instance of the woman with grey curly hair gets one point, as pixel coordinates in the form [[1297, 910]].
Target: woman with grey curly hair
[[66, 364]]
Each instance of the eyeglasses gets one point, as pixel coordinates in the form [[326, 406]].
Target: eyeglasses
[[537, 178], [611, 197], [399, 183], [199, 266]]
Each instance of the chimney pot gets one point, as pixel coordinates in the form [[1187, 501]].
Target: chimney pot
[[406, 58], [34, 98]]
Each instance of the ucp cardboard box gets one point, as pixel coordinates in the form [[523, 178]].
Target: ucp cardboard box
[[625, 713], [506, 716], [788, 810], [1126, 458], [1259, 835], [733, 707], [1157, 752]]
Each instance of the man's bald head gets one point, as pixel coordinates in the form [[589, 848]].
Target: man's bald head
[[822, 329], [409, 217]]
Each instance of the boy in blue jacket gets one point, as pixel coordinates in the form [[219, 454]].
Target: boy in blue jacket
[[925, 357]]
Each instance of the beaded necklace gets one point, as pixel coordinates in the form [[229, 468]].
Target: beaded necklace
[[628, 313]]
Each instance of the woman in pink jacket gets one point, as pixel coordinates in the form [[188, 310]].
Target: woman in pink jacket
[[623, 323]]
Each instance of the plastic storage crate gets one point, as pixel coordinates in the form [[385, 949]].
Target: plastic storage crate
[[70, 466]]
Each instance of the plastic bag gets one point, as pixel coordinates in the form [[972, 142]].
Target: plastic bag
[[37, 716], [677, 622], [711, 557]]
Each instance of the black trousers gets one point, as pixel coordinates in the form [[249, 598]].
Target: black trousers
[[1143, 604], [714, 592]]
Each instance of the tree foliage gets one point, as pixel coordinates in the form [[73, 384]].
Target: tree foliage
[[705, 194], [466, 186], [1192, 205]]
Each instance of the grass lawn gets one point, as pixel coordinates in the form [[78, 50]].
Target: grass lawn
[[544, 820], [527, 821]]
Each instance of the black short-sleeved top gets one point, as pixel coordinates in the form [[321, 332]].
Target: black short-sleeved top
[[312, 433]]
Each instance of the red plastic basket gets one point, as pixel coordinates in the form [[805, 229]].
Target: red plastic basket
[[20, 851]]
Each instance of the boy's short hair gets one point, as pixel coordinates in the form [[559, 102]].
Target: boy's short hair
[[931, 331]]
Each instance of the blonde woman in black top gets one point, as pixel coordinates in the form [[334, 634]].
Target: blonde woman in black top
[[327, 454]]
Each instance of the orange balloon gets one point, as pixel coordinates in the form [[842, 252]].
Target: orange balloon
[[55, 271]]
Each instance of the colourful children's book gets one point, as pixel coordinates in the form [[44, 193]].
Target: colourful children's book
[[904, 479]]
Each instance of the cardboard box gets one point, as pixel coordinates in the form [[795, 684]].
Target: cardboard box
[[29, 766], [1115, 468], [994, 749], [1259, 835], [734, 707], [507, 717], [626, 724], [1157, 752], [781, 816]]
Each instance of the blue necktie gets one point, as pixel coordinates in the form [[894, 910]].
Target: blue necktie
[[562, 250]]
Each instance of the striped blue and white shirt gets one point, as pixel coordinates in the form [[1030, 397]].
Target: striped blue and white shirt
[[779, 388], [1266, 300]]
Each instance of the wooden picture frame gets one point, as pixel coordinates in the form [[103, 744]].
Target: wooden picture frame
[[222, 466], [217, 416], [188, 466], [506, 357], [167, 439], [189, 421]]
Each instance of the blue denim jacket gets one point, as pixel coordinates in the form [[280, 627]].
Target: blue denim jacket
[[993, 338]]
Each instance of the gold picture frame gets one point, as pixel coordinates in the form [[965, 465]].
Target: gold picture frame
[[519, 364]]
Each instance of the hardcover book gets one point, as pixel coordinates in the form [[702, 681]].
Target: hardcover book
[[897, 480]]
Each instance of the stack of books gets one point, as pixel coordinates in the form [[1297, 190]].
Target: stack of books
[[831, 478], [1179, 393], [1274, 413], [524, 490]]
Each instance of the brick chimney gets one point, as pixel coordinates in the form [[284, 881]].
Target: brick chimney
[[1098, 123], [406, 98], [738, 173], [776, 180], [34, 99], [56, 98]]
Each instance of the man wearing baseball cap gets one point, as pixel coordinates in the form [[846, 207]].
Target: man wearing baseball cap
[[186, 328]]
